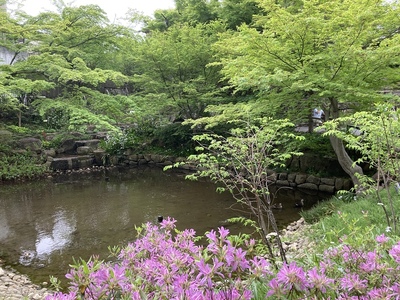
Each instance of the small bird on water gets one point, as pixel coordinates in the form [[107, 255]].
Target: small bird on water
[[299, 204]]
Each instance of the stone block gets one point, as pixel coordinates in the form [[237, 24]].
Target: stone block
[[313, 179], [93, 143], [133, 157], [142, 161], [292, 177], [128, 152], [67, 146], [157, 158], [339, 184], [59, 164], [85, 162], [83, 150], [300, 178], [282, 182], [283, 176], [328, 181], [99, 156], [327, 188], [347, 184], [308, 186]]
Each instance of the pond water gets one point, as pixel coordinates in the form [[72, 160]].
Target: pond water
[[44, 224]]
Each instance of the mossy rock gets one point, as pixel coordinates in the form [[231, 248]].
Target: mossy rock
[[5, 135], [31, 144]]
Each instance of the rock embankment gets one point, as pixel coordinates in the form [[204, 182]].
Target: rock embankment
[[295, 240], [14, 286]]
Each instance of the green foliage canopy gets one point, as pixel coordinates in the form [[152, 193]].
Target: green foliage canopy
[[171, 70], [324, 54]]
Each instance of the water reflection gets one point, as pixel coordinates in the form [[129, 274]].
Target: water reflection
[[58, 237], [44, 224]]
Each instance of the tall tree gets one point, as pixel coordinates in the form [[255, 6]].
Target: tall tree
[[328, 54], [16, 43], [237, 12], [66, 50], [171, 69]]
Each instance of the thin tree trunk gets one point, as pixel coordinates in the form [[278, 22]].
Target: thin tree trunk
[[19, 114]]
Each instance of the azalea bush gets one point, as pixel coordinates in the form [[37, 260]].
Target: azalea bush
[[163, 263], [343, 272]]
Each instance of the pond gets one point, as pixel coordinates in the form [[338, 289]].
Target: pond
[[43, 224]]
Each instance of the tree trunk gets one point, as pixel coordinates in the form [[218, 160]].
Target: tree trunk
[[343, 158], [19, 114], [345, 161]]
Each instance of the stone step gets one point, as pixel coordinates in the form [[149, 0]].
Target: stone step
[[71, 162], [88, 143]]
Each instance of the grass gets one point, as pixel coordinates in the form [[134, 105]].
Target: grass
[[358, 220]]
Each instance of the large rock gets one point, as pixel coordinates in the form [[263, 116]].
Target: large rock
[[67, 147], [5, 135], [30, 144]]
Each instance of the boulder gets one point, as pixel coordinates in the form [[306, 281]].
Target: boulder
[[5, 135], [67, 146], [30, 144]]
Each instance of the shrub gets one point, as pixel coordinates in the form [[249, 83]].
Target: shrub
[[18, 166], [167, 264], [163, 264]]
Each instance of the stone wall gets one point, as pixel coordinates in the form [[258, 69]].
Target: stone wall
[[79, 154], [311, 182], [299, 179]]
